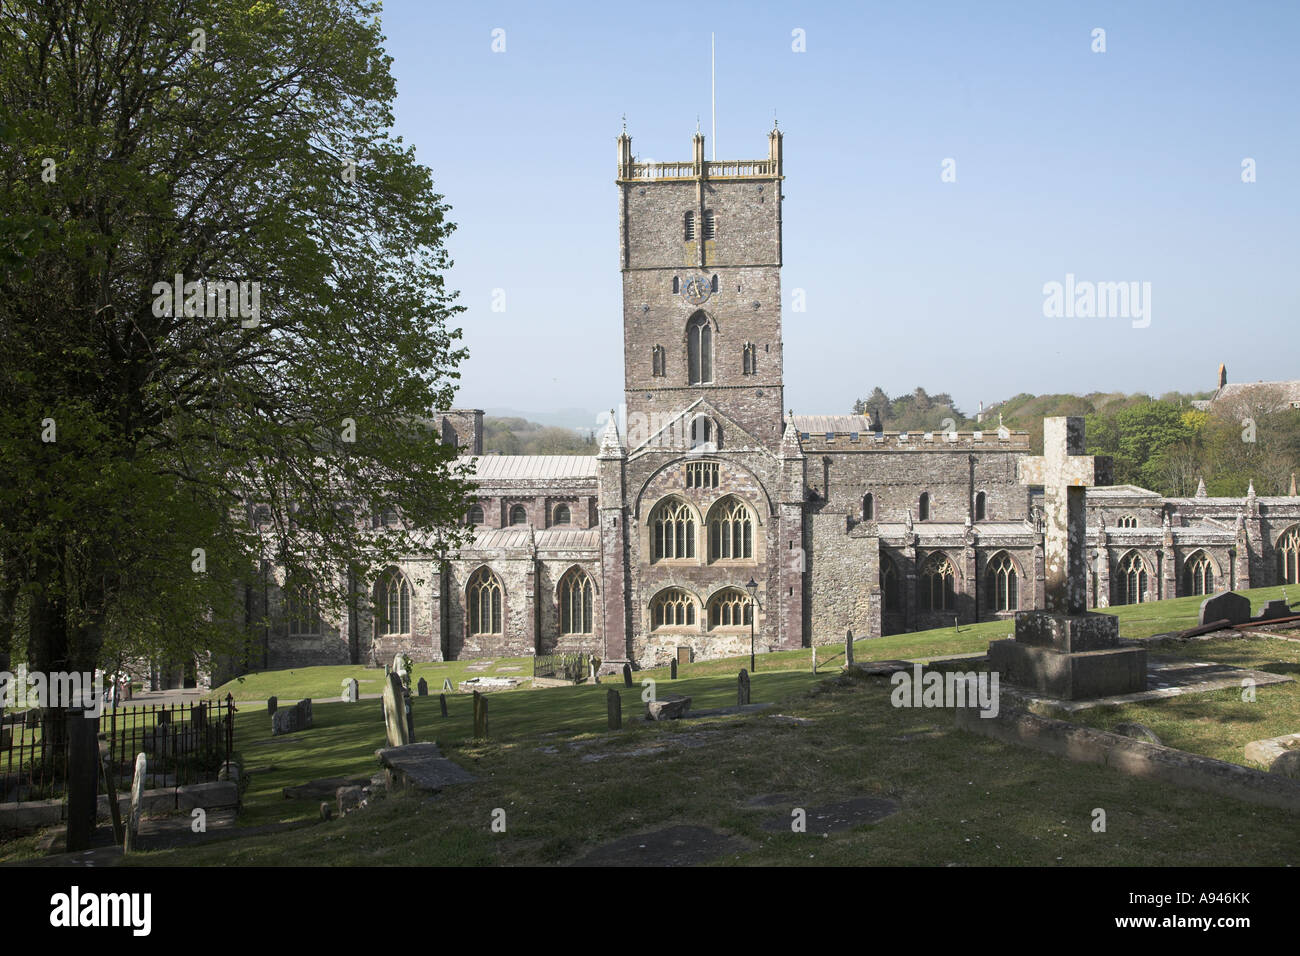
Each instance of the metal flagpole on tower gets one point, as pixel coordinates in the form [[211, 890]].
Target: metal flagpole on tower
[[713, 79]]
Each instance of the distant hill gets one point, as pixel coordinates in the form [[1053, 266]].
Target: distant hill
[[580, 418], [516, 435]]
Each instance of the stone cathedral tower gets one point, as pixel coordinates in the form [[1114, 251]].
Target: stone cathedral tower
[[700, 252]]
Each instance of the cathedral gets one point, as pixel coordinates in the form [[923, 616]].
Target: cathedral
[[711, 514]]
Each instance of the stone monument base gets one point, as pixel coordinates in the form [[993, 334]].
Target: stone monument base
[[1072, 657]]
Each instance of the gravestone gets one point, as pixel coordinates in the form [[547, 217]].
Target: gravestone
[[672, 669], [614, 709], [591, 672], [742, 688], [1228, 606], [284, 721], [351, 690], [480, 716], [848, 647], [446, 685], [1065, 651], [422, 688], [304, 713], [627, 675], [814, 660], [396, 725], [137, 798], [1272, 609], [442, 704], [271, 704], [199, 715], [683, 656]]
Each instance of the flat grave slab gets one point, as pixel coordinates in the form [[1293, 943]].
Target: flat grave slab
[[834, 817], [324, 789], [423, 766], [684, 845]]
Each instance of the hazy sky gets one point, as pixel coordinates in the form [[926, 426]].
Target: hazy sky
[[1123, 165]]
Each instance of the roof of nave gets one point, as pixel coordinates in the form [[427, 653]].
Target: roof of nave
[[532, 467], [820, 424], [568, 539], [1281, 392]]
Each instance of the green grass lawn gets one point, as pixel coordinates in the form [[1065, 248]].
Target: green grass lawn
[[326, 682]]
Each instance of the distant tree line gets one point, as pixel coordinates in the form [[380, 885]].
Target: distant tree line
[[1163, 444], [518, 436]]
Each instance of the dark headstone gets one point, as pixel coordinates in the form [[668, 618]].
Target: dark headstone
[[672, 669], [83, 776], [667, 708], [442, 704], [1228, 606], [614, 709], [742, 688], [627, 675], [848, 647], [422, 688], [199, 715], [480, 716], [284, 721], [304, 713], [1272, 609], [271, 704]]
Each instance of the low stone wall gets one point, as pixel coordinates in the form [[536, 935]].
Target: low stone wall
[[34, 814], [1134, 757]]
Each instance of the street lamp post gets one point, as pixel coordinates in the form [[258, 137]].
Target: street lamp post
[[752, 588]]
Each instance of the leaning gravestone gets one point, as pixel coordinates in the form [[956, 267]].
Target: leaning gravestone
[[304, 713], [480, 716], [1228, 606], [271, 704], [627, 675], [446, 685], [614, 709], [848, 647], [395, 721], [422, 688], [137, 798], [742, 688]]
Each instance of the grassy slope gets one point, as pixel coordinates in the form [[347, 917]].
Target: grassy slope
[[967, 800]]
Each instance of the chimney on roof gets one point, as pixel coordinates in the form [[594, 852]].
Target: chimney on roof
[[1223, 375]]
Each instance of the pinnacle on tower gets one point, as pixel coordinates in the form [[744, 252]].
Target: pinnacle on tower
[[610, 446], [1200, 488]]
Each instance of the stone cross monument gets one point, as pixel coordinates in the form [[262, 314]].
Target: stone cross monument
[[1065, 651]]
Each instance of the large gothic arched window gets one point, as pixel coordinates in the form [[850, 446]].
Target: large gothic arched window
[[576, 592], [1131, 581], [889, 584], [731, 531], [673, 608], [672, 530], [1002, 583], [1288, 556], [699, 349], [483, 601], [730, 607], [1198, 574], [938, 584], [394, 603]]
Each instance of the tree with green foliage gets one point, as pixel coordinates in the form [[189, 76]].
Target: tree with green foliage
[[218, 142]]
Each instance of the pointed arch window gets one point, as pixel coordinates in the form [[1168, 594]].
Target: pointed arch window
[[1128, 521], [394, 600], [730, 607], [923, 508], [677, 285], [672, 531], [1198, 574], [1131, 581], [1002, 583], [704, 432], [713, 283], [302, 608], [749, 359], [657, 361], [731, 531], [868, 507], [576, 594], [483, 601], [699, 349], [673, 608], [938, 584], [981, 506], [889, 585], [1288, 556]]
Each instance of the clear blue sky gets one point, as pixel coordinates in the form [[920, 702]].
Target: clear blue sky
[[1115, 166]]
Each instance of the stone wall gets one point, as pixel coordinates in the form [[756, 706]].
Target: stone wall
[[844, 573]]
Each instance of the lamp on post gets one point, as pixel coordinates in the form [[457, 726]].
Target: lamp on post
[[752, 588]]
